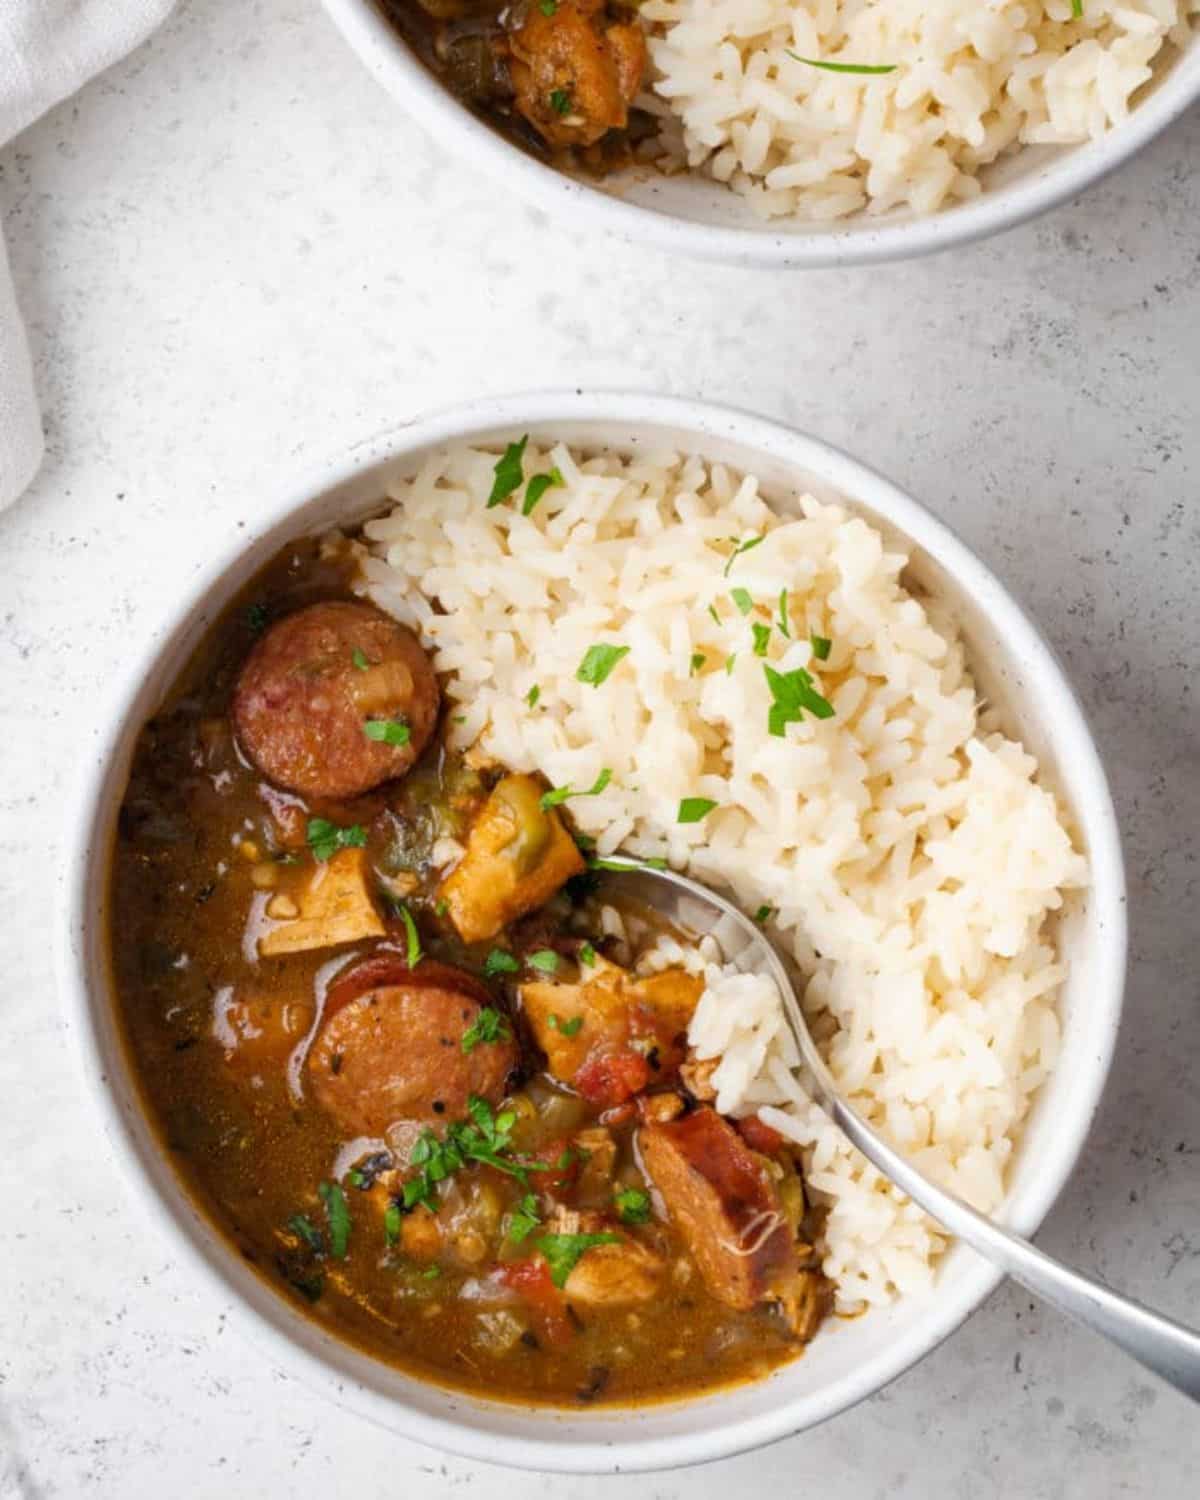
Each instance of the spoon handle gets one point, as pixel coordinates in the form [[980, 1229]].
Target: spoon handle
[[1160, 1344]]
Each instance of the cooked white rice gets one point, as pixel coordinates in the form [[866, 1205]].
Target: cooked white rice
[[971, 79], [910, 855]]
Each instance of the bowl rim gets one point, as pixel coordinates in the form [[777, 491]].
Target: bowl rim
[[396, 67], [545, 1450]]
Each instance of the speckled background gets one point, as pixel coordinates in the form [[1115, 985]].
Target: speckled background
[[236, 253]]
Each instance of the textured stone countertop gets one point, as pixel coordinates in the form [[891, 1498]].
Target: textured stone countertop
[[236, 253]]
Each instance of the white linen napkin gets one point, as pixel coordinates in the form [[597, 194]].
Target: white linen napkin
[[48, 49]]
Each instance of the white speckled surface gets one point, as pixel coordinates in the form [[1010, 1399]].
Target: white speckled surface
[[235, 252]]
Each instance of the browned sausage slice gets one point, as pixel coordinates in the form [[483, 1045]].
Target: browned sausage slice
[[390, 1047], [724, 1203], [310, 688]]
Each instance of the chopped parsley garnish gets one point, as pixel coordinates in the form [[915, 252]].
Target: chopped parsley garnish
[[1077, 9], [355, 1178], [837, 67], [698, 660], [359, 658], [412, 936], [483, 1138], [532, 696], [302, 1226], [622, 862], [545, 960], [729, 661], [712, 609], [256, 617], [741, 597], [793, 693], [784, 628], [739, 547], [525, 1219], [560, 101], [564, 1028], [441, 908], [338, 1215], [563, 1252], [431, 1273], [598, 662], [538, 486], [764, 914], [548, 7], [695, 809], [490, 1025], [387, 731], [326, 838], [391, 1223], [499, 962], [587, 955], [632, 1204], [509, 472], [559, 794], [821, 646], [762, 638]]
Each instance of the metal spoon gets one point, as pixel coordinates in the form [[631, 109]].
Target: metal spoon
[[1159, 1343]]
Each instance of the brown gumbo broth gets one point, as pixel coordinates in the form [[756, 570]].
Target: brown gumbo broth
[[436, 1110]]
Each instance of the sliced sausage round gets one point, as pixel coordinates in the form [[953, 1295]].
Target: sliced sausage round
[[312, 688], [390, 1047]]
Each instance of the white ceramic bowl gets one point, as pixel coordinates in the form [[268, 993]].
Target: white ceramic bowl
[[696, 216], [850, 1359]]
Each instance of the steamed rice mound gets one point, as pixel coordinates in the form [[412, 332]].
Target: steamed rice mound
[[970, 80], [911, 858]]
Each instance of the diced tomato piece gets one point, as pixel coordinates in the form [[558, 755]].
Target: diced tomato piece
[[758, 1136], [612, 1078], [531, 1281]]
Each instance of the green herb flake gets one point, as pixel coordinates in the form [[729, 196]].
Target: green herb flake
[[741, 597], [784, 627], [499, 962], [764, 914], [564, 1028], [326, 838], [729, 661], [587, 955], [387, 731], [712, 609], [698, 660], [532, 696], [837, 67], [509, 472], [563, 1252], [431, 1273], [559, 794], [412, 936], [739, 548], [632, 1204], [560, 101], [1077, 10], [490, 1025], [256, 618], [821, 646], [598, 662], [548, 7], [304, 1228], [545, 960], [483, 1138], [441, 908], [355, 1178], [524, 1220], [538, 486], [695, 809], [338, 1214], [391, 1223], [762, 638], [793, 693], [623, 863], [359, 658]]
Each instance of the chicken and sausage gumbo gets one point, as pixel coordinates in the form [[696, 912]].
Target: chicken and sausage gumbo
[[557, 76], [373, 1012]]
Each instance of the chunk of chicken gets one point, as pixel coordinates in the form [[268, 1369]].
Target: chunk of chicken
[[609, 1035], [598, 1151], [615, 1275], [576, 70], [518, 854], [336, 907]]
